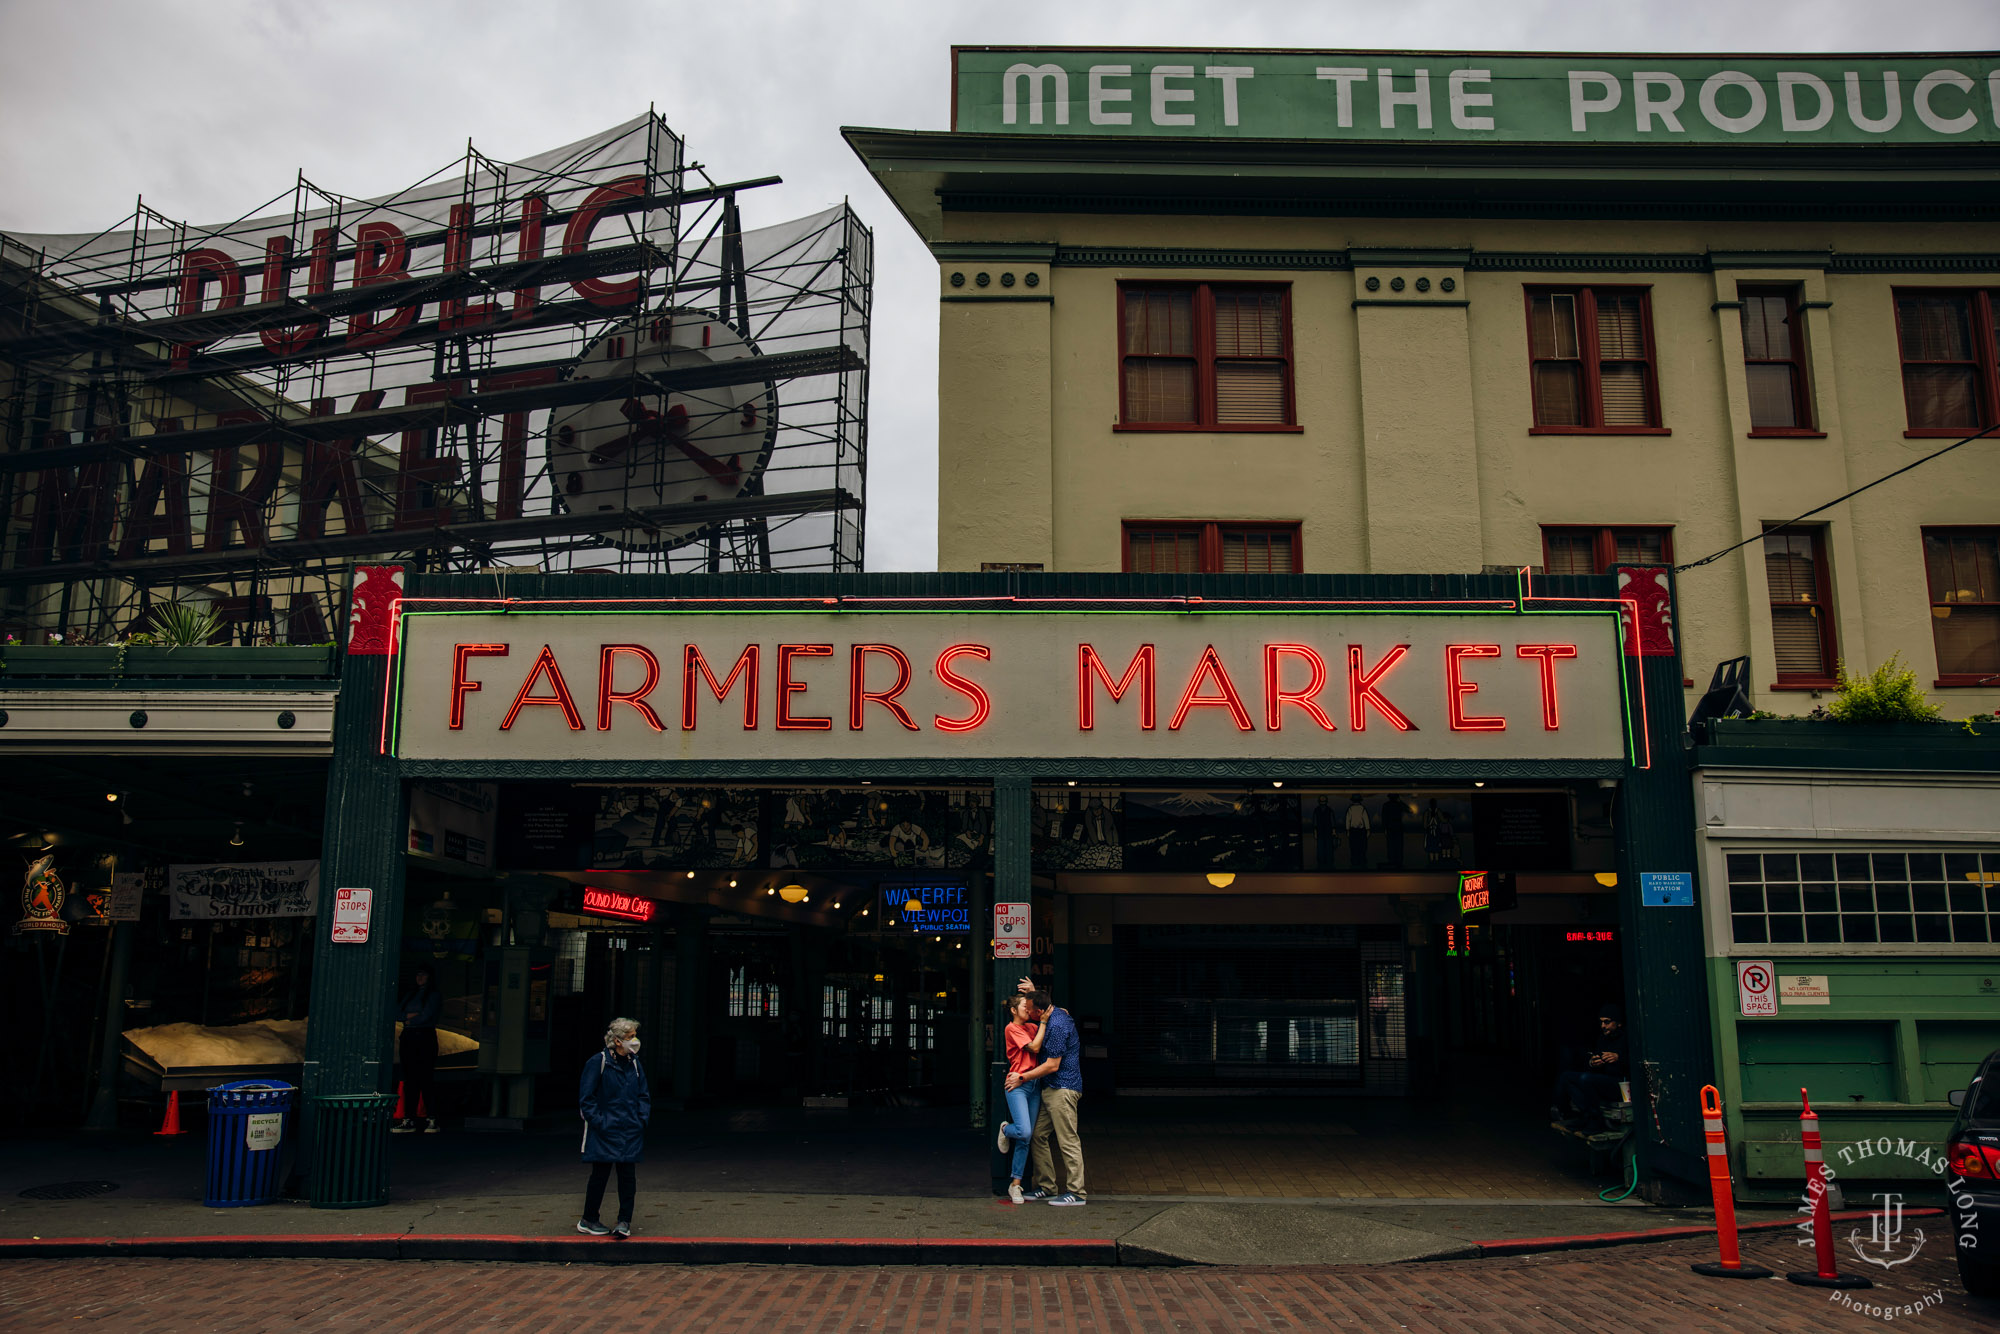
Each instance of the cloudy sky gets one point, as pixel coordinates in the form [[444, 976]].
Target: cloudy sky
[[207, 109]]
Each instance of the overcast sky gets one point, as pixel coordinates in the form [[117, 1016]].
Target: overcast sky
[[207, 109]]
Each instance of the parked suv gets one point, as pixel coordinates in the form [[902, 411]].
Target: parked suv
[[1974, 1152]]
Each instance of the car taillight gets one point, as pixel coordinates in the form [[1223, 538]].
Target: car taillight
[[1974, 1161]]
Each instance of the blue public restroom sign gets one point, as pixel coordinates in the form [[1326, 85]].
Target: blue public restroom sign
[[1666, 889], [939, 907]]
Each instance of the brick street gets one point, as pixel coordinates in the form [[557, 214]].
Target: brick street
[[1645, 1288]]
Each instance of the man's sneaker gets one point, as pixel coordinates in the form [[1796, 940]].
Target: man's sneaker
[[430, 1125], [1003, 1141], [403, 1127], [1064, 1201], [1014, 1193], [1036, 1193], [589, 1228], [621, 1229]]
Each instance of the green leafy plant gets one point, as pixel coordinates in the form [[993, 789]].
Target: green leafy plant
[[1889, 694], [183, 625]]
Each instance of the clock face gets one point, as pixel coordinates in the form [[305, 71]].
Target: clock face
[[645, 448]]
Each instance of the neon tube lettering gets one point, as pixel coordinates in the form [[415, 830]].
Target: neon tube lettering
[[1211, 666], [545, 664], [607, 667], [1276, 696], [1457, 688], [1090, 669], [746, 667], [859, 695], [1363, 689], [461, 654], [982, 703], [787, 687], [1548, 654]]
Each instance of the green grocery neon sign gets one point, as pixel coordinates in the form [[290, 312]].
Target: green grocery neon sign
[[1443, 97]]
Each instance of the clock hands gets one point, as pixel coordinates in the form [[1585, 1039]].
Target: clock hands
[[649, 427]]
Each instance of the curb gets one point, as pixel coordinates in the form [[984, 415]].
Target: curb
[[580, 1250], [1598, 1240]]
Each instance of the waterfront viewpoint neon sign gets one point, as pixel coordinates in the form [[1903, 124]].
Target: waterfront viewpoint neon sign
[[700, 685], [1460, 97]]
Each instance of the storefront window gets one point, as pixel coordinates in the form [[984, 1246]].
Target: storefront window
[[1864, 897]]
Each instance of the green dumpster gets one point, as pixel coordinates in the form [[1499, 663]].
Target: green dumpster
[[350, 1157]]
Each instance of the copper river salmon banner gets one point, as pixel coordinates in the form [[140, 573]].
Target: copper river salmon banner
[[1472, 97], [910, 685]]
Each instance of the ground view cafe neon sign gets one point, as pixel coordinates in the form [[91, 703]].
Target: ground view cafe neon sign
[[685, 682]]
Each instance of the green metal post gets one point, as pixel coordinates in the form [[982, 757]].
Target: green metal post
[[1013, 882]]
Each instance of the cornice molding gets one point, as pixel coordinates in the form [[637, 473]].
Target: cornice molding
[[1502, 261]]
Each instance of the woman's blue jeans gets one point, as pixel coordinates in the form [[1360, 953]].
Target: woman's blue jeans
[[1024, 1105]]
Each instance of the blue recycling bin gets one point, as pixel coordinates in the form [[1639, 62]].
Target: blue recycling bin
[[250, 1126]]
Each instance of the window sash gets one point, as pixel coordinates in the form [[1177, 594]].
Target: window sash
[[1615, 386], [1205, 356], [1774, 360], [1962, 568], [1212, 547], [1947, 341], [1795, 574], [1571, 550]]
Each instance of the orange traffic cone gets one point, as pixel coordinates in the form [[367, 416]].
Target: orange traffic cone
[[172, 1125], [399, 1115]]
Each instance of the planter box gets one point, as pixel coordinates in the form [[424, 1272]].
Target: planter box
[[290, 660], [59, 660], [1817, 744]]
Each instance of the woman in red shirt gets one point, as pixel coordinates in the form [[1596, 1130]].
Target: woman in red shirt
[[1026, 1032]]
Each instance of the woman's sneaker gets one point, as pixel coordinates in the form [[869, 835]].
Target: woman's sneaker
[[1014, 1193], [1003, 1141], [621, 1229], [590, 1228], [403, 1127]]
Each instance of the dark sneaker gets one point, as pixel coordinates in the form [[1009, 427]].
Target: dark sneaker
[[1066, 1201], [589, 1228], [431, 1126], [1036, 1194], [621, 1229], [1002, 1141], [403, 1127]]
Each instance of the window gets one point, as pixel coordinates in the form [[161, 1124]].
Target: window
[[1801, 605], [1205, 356], [1964, 569], [1601, 550], [1948, 360], [1212, 548], [1774, 360], [1864, 897], [1591, 353]]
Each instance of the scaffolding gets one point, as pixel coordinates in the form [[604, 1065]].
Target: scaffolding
[[577, 362]]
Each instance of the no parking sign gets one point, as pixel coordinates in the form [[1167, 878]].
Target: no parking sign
[[1756, 988]]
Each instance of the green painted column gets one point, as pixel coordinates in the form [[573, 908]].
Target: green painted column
[[351, 1028], [1013, 882]]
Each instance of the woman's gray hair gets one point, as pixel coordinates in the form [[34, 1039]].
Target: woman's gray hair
[[620, 1030]]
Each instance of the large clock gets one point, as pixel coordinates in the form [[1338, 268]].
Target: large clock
[[641, 448]]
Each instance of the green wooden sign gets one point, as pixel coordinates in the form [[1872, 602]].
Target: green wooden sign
[[1444, 97]]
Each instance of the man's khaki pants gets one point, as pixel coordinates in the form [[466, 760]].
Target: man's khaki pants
[[1057, 1122]]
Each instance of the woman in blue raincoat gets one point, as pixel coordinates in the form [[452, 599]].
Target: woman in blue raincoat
[[615, 1104]]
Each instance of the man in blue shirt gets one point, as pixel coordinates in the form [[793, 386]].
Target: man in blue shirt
[[1061, 1073]]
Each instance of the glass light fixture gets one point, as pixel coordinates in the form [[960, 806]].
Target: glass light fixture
[[915, 905], [1608, 879], [1222, 879], [793, 893]]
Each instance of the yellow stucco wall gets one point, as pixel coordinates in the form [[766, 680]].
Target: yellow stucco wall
[[1415, 452]]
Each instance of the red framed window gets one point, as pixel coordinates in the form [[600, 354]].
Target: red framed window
[[1774, 360], [1591, 360], [1963, 565], [1947, 340], [1205, 356], [1802, 639], [1573, 550], [1212, 548]]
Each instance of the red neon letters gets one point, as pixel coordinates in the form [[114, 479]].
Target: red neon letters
[[1362, 689], [545, 665], [460, 687], [607, 667], [859, 695], [1090, 670], [746, 667], [1457, 688], [1191, 698], [787, 687], [1548, 654], [1276, 696], [982, 703]]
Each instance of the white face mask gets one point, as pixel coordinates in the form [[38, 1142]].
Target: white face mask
[[631, 1046]]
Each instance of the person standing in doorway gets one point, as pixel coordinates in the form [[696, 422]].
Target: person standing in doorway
[[1056, 1134], [418, 1051], [1027, 1030], [1394, 811], [1357, 835], [1323, 839], [615, 1104]]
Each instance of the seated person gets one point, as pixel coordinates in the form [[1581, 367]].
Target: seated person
[[1581, 1095]]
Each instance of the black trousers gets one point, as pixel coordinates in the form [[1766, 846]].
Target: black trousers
[[593, 1194], [420, 1058]]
